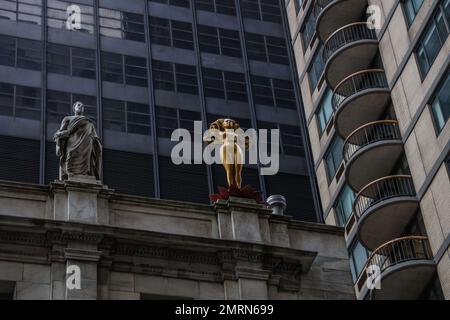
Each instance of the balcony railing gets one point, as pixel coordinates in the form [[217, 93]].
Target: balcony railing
[[384, 130], [400, 250], [395, 252], [358, 82], [381, 190], [346, 35], [320, 5]]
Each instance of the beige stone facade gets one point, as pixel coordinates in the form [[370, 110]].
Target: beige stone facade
[[137, 248], [425, 150]]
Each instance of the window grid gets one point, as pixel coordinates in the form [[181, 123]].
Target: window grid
[[218, 6], [126, 116], [122, 25], [20, 53], [59, 105], [57, 15], [169, 119], [265, 10], [334, 157], [433, 38], [266, 48], [124, 69], [274, 92], [177, 3], [224, 84], [175, 77], [20, 101], [171, 33], [77, 62], [29, 11]]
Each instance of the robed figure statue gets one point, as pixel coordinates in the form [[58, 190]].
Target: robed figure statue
[[77, 145]]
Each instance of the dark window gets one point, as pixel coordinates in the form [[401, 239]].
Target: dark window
[[213, 83], [441, 103], [20, 101], [325, 110], [267, 49], [412, 7], [219, 41], [334, 157], [291, 140], [309, 28], [122, 25], [6, 99], [316, 69], [265, 10], [125, 116], [344, 205], [124, 69], [224, 84], [72, 61], [22, 10], [163, 77], [20, 53], [57, 15], [177, 3], [358, 257], [284, 94], [256, 48], [29, 54], [136, 177], [19, 159], [218, 6], [235, 86], [135, 71], [434, 37], [175, 77], [171, 33], [169, 119], [183, 182], [274, 92], [262, 91], [276, 50], [186, 78], [59, 105]]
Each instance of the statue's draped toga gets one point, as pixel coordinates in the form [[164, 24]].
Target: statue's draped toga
[[78, 146]]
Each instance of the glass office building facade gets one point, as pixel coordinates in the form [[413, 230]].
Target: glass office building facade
[[144, 69]]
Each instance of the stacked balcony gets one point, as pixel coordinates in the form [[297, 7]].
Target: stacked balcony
[[405, 266], [385, 204]]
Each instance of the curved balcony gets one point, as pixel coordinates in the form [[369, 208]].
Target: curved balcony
[[358, 99], [406, 267], [371, 151], [384, 208], [333, 14], [348, 50]]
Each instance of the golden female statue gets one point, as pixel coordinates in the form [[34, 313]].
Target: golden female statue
[[231, 152]]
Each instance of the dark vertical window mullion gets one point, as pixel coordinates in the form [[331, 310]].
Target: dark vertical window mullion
[[16, 51], [274, 97], [248, 81], [43, 137], [98, 72], [151, 97], [201, 92]]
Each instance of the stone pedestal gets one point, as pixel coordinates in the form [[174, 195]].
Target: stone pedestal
[[80, 199], [243, 219]]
